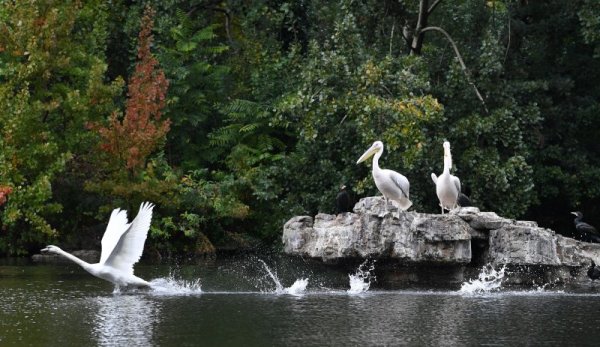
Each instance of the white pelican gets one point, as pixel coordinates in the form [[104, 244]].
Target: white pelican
[[122, 247], [447, 186], [391, 184]]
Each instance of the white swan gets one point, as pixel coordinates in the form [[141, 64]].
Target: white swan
[[391, 184], [447, 186], [122, 247]]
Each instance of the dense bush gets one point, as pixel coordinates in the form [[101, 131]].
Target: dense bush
[[233, 116]]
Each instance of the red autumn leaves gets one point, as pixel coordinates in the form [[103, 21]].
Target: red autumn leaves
[[135, 136]]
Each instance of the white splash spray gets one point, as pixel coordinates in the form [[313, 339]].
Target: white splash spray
[[298, 287], [361, 280], [174, 286], [488, 280]]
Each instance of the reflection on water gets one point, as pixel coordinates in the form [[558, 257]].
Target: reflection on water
[[125, 320], [64, 306]]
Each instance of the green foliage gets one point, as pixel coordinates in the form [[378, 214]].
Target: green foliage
[[199, 209], [51, 85], [589, 16], [190, 59], [271, 103]]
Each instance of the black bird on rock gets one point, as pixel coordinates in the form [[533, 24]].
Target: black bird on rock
[[463, 200], [586, 232], [343, 201], [593, 272]]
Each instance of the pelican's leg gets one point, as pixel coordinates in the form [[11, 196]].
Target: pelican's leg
[[442, 206], [386, 204]]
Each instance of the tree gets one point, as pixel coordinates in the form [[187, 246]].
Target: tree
[[131, 140], [51, 84], [128, 142]]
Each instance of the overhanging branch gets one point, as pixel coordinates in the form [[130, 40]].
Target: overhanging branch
[[460, 60]]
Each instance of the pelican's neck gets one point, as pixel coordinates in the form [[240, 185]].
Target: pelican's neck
[[74, 259], [447, 160], [376, 159]]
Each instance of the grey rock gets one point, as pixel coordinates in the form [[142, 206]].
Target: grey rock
[[520, 245], [414, 237], [435, 239]]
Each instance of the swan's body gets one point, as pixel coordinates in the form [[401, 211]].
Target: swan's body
[[391, 184], [122, 247], [447, 186]]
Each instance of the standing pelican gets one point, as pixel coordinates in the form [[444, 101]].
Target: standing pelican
[[447, 186], [391, 184], [122, 247]]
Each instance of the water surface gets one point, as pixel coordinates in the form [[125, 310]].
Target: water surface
[[238, 304]]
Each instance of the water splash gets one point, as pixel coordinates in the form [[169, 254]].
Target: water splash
[[488, 280], [361, 280], [174, 286], [297, 288]]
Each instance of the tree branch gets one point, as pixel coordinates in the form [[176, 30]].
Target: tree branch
[[460, 60], [433, 6], [225, 11]]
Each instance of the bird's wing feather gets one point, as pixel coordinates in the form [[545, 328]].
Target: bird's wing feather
[[117, 225], [131, 245], [400, 182], [434, 178], [585, 227], [456, 182]]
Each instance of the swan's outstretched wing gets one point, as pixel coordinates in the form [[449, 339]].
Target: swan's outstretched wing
[[117, 225], [131, 245]]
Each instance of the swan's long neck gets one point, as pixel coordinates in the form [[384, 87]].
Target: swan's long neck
[[447, 160], [73, 258]]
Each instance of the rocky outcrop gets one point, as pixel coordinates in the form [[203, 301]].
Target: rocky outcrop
[[463, 238], [413, 237]]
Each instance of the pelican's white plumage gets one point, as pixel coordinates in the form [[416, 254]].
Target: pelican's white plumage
[[447, 186], [391, 184], [122, 247]]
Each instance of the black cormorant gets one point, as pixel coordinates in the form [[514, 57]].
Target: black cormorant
[[586, 232], [593, 272], [463, 200], [343, 201]]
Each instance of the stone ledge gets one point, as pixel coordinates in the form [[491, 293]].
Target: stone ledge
[[435, 239]]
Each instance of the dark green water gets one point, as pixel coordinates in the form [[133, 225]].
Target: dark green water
[[43, 305]]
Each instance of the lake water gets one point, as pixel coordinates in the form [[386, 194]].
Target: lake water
[[239, 303]]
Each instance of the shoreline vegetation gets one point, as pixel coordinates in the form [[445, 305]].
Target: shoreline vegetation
[[233, 117]]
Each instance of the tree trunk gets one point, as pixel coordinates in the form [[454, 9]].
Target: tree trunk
[[417, 42]]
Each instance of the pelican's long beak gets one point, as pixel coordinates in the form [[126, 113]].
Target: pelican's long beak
[[575, 213], [367, 154]]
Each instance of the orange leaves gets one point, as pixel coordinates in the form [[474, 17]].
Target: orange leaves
[[4, 192], [141, 130]]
